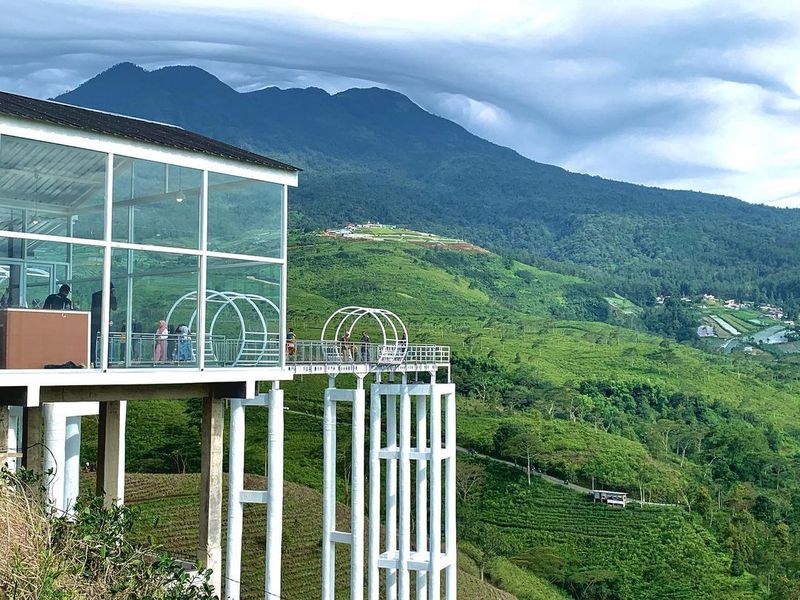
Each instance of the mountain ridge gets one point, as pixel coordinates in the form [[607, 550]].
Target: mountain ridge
[[372, 153]]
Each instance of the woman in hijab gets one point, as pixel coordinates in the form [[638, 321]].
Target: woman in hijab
[[162, 334]]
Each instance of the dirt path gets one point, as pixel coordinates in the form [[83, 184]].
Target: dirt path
[[550, 478]]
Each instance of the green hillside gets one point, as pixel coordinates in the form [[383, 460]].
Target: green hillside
[[596, 551]]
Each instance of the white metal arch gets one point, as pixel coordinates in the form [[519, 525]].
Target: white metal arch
[[253, 344], [394, 346]]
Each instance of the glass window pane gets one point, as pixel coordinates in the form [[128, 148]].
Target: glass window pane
[[243, 303], [46, 293], [244, 216], [155, 203], [51, 189], [154, 325]]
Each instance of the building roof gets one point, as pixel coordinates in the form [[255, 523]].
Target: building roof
[[140, 130]]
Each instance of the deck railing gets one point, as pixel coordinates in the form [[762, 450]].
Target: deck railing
[[150, 349], [328, 352]]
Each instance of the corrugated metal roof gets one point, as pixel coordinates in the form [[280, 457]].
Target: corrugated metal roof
[[140, 130]]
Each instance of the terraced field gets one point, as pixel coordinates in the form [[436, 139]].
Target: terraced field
[[173, 501], [643, 551]]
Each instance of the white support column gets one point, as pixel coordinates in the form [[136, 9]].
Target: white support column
[[14, 435], [62, 447], [373, 585], [450, 492], [329, 492], [72, 463], [233, 562], [272, 580], [357, 493], [55, 425], [272, 497], [435, 540], [404, 576], [391, 493], [422, 492]]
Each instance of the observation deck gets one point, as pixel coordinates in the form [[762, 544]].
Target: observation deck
[[318, 357]]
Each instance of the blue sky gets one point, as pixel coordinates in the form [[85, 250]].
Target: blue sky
[[700, 95]]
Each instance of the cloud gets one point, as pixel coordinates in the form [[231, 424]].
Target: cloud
[[699, 94]]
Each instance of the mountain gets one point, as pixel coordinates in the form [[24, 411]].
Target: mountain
[[374, 154]]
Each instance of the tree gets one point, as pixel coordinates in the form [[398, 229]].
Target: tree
[[488, 543], [470, 479], [523, 445]]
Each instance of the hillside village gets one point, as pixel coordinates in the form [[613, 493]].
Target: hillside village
[[375, 231], [744, 325]]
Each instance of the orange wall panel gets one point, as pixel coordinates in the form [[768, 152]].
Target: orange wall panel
[[31, 339]]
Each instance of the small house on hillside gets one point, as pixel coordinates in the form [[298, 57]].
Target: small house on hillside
[[611, 498], [705, 331]]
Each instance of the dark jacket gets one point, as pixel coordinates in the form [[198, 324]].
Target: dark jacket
[[57, 302]]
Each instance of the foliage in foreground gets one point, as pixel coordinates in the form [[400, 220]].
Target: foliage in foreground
[[88, 556]]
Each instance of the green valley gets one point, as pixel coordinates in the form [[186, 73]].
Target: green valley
[[713, 436]]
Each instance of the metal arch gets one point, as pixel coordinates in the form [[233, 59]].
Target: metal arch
[[348, 316], [251, 299], [187, 296], [225, 299], [229, 302]]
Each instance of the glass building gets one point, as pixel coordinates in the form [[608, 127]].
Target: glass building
[[132, 245]]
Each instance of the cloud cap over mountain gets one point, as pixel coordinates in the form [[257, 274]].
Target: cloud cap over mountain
[[699, 95]]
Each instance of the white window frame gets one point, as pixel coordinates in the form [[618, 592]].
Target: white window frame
[[113, 146]]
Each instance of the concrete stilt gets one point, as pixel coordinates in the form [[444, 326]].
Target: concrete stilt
[[404, 574], [274, 494], [111, 452], [62, 446], [422, 492], [209, 551], [435, 540], [391, 493], [32, 449], [329, 492], [4, 428], [15, 437], [233, 564], [357, 496], [72, 462], [373, 581], [450, 493], [54, 456]]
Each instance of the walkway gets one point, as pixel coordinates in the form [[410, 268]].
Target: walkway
[[311, 357]]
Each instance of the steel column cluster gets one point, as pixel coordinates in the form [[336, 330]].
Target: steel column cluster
[[419, 456], [272, 496]]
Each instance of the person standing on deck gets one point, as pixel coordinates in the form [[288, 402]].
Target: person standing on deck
[[59, 301], [97, 315], [364, 347]]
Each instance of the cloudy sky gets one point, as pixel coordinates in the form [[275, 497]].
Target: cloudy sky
[[693, 94]]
